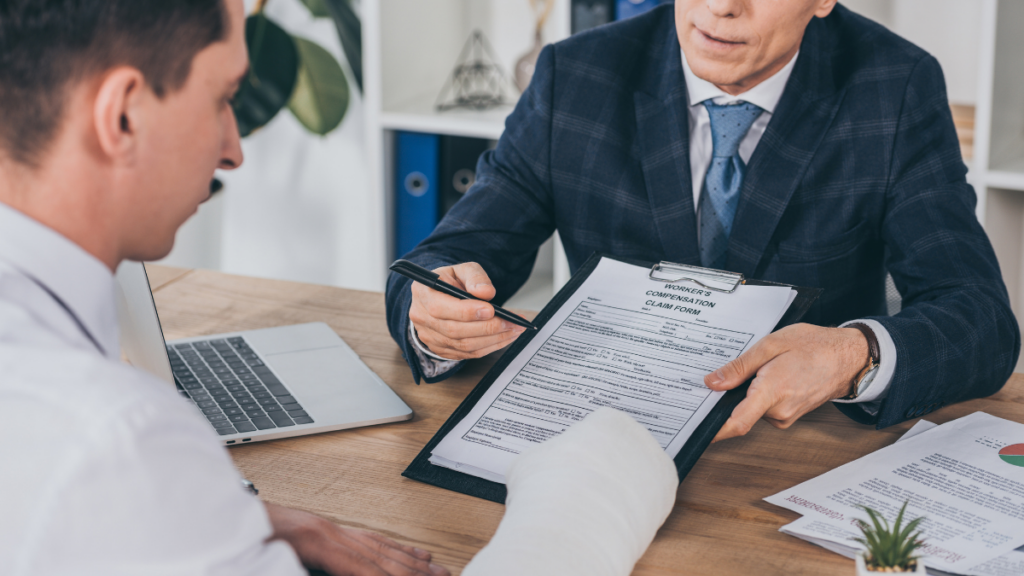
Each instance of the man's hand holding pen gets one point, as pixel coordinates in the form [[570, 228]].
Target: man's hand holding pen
[[460, 329]]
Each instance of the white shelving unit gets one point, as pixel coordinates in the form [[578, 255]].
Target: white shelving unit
[[410, 48]]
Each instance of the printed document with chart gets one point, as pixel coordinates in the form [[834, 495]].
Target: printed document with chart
[[620, 340], [965, 478]]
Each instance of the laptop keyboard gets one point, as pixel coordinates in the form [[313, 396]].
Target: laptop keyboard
[[233, 388]]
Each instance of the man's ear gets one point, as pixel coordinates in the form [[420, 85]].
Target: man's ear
[[118, 112], [825, 8]]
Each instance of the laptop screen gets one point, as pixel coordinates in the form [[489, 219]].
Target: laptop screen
[[142, 339]]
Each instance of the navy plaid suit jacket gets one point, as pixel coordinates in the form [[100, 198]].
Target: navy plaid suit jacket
[[858, 172]]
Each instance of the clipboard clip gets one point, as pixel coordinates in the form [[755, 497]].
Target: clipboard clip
[[716, 280]]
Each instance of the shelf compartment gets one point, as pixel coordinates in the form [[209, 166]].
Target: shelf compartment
[[1011, 179], [1005, 226], [419, 115], [1006, 147]]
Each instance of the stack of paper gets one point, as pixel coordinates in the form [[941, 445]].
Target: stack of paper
[[966, 477], [622, 340]]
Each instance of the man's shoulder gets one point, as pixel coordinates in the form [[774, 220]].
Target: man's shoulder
[[613, 50], [74, 394], [81, 432], [864, 50], [61, 388], [632, 33]]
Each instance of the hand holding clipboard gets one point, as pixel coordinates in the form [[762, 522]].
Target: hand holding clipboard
[[597, 340]]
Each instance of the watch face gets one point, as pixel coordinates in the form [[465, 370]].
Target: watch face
[[866, 380]]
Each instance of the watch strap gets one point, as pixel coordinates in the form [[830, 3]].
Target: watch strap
[[874, 357], [874, 351]]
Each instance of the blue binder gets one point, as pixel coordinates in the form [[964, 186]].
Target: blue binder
[[627, 8], [416, 189]]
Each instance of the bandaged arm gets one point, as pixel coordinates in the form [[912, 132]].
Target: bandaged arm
[[587, 502]]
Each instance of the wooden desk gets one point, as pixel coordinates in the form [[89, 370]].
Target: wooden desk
[[720, 524]]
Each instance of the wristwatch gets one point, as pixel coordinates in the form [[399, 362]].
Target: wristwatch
[[867, 375]]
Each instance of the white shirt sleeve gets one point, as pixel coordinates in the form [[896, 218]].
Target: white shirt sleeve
[[430, 364], [149, 490], [871, 398]]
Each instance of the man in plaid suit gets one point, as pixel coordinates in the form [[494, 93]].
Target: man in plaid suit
[[790, 141]]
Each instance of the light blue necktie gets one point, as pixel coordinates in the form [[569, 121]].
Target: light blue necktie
[[721, 193]]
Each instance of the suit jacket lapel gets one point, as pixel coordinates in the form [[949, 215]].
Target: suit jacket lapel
[[801, 119], [664, 146]]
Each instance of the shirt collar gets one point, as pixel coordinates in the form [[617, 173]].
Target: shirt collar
[[765, 95], [81, 282]]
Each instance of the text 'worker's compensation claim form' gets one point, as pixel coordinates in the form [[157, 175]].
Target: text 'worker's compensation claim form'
[[621, 340]]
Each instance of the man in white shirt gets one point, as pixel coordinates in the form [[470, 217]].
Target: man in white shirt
[[789, 141], [113, 116]]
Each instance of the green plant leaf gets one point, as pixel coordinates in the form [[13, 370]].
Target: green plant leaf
[[321, 94], [905, 534], [317, 8], [899, 518], [273, 69], [350, 33], [878, 520]]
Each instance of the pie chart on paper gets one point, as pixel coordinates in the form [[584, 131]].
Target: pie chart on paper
[[1013, 454]]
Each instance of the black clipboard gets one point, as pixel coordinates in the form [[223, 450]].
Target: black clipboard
[[422, 470]]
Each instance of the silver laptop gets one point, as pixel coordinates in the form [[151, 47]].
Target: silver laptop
[[258, 384]]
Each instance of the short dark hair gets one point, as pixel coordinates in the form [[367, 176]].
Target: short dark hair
[[47, 46]]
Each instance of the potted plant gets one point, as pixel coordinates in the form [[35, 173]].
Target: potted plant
[[889, 549]]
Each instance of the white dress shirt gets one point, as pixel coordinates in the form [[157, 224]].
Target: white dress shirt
[[766, 96], [106, 469]]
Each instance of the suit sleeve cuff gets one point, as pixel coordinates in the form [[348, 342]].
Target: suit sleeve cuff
[[431, 364], [872, 397]]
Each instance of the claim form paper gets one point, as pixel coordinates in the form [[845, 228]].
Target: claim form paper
[[621, 340]]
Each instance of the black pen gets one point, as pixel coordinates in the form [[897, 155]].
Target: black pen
[[433, 280]]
